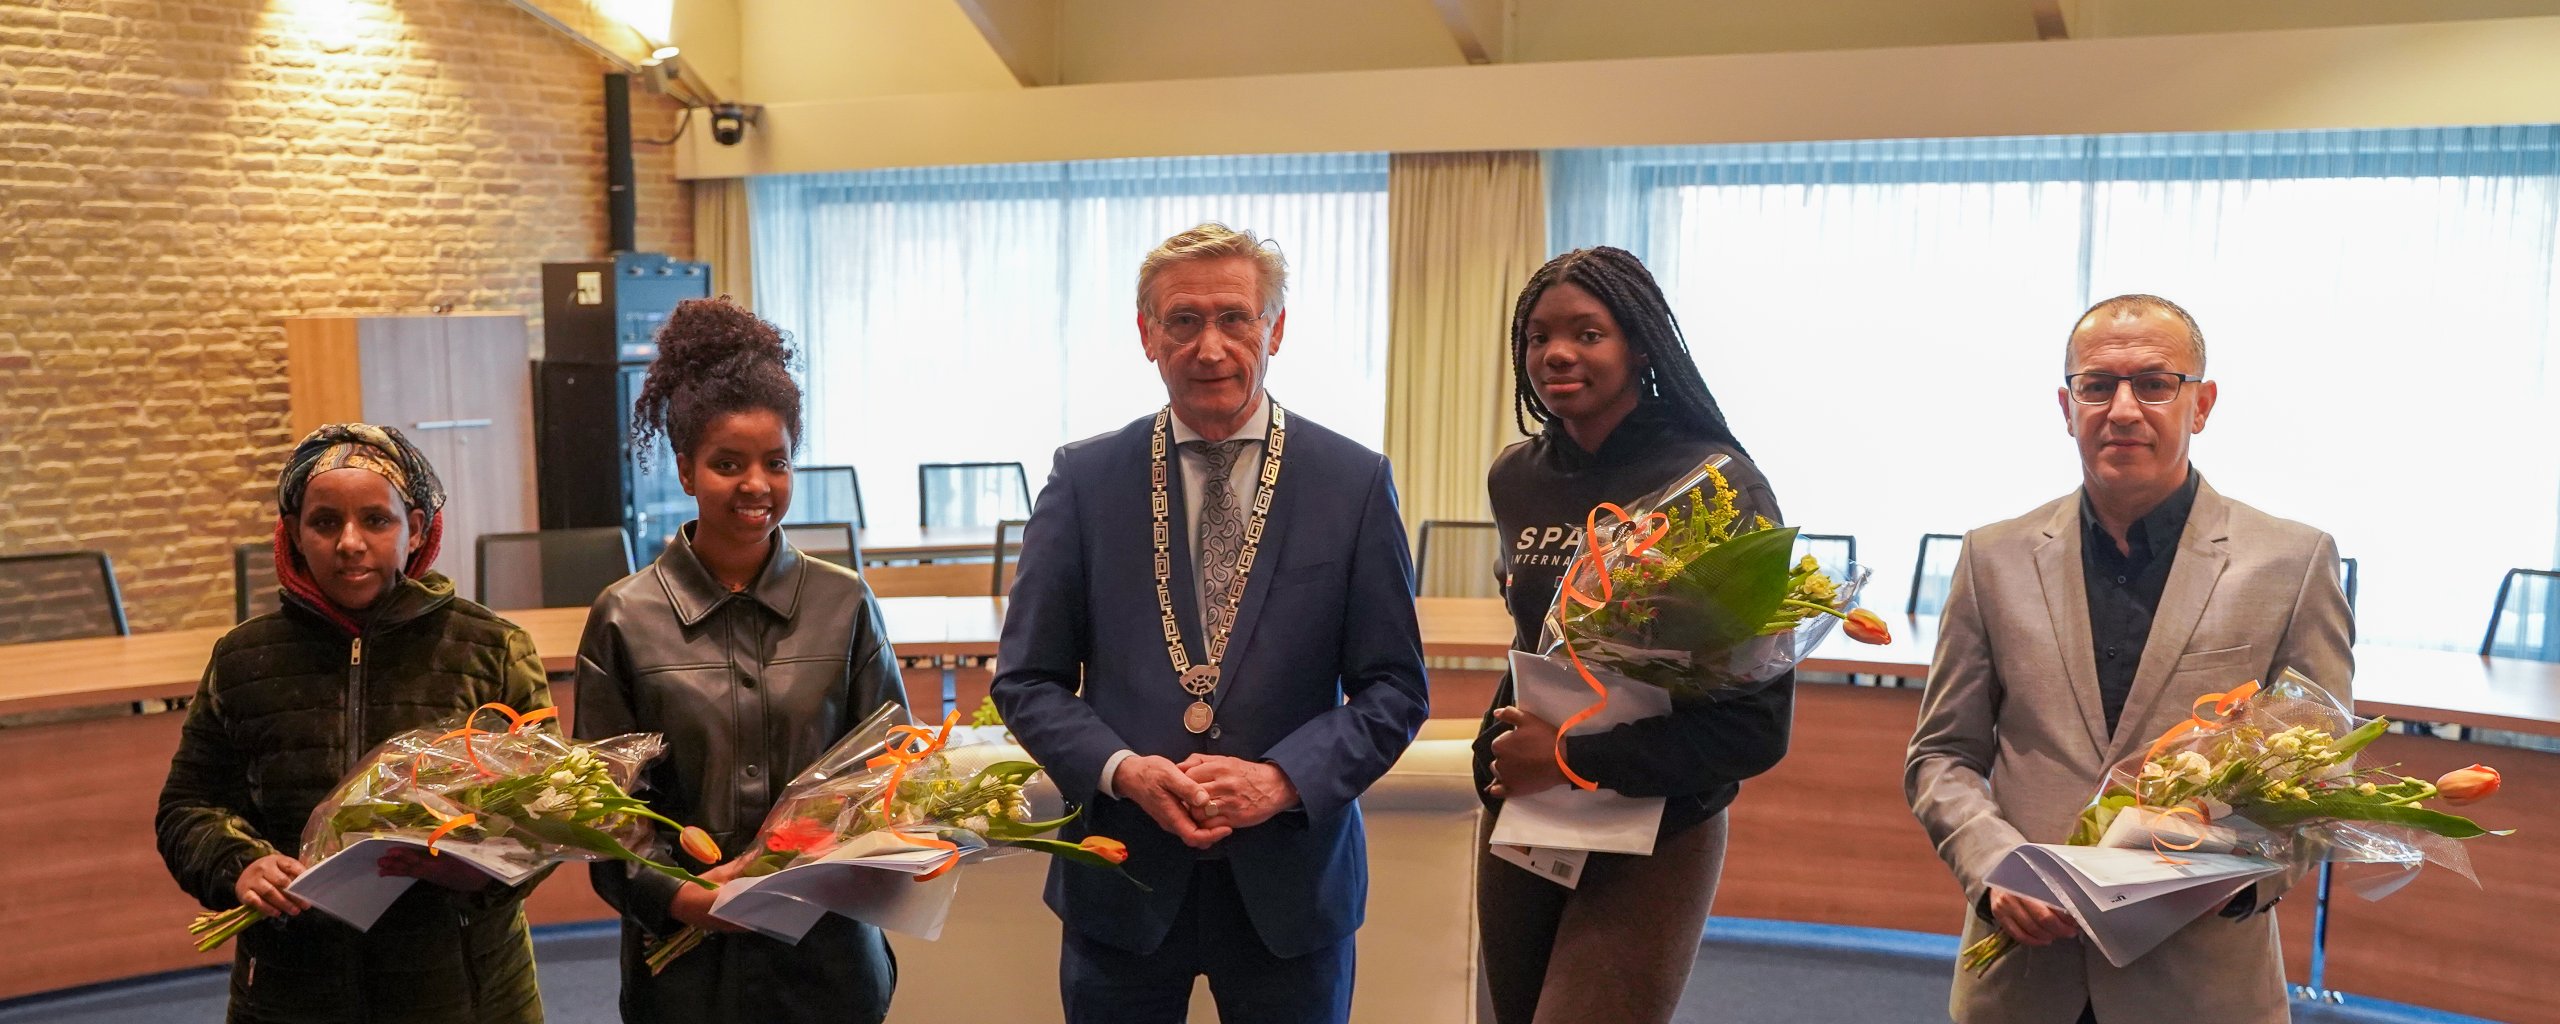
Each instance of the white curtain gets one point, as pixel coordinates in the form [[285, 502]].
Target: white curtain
[[989, 313], [1884, 324]]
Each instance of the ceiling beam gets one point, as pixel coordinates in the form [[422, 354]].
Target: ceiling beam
[[1477, 27], [1022, 33], [2051, 22]]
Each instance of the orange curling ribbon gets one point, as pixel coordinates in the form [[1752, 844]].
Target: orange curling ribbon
[[515, 723], [1571, 592], [2162, 846], [455, 822], [907, 745], [932, 843], [2223, 704]]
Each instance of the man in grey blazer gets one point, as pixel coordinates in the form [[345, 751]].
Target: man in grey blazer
[[2072, 636]]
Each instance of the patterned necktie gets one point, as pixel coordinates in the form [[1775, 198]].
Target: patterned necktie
[[1221, 533]]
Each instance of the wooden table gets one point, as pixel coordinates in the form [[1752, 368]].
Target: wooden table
[[898, 542]]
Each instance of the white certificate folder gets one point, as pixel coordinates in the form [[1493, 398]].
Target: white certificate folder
[[1567, 818], [2127, 901]]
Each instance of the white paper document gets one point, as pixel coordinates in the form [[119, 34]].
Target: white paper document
[[2127, 901], [1567, 818], [871, 878], [350, 885], [1563, 867]]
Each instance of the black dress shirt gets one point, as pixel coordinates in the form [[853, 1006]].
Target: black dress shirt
[[2124, 587]]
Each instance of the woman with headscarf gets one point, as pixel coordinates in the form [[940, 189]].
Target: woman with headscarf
[[369, 643]]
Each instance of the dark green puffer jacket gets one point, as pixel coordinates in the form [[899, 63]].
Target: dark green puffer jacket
[[288, 704]]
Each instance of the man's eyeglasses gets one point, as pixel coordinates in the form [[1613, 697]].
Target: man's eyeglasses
[[2156, 387], [1234, 323]]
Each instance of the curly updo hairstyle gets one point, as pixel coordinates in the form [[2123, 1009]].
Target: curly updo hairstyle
[[714, 358]]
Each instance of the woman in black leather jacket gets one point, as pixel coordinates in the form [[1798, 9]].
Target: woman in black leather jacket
[[752, 659]]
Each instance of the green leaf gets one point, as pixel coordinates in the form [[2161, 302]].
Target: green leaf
[[2363, 736], [561, 833], [2350, 808], [1005, 828], [1073, 852], [1731, 590]]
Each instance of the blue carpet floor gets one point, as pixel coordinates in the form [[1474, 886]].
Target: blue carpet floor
[[1749, 972]]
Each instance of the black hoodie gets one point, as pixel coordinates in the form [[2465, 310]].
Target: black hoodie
[[1543, 489]]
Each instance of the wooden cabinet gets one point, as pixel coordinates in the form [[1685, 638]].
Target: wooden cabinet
[[456, 385]]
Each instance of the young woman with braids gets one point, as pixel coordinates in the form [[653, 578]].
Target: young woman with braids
[[752, 660], [1619, 410], [368, 643]]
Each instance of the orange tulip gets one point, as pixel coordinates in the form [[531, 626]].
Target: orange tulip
[[1866, 627], [2464, 785], [1107, 848], [698, 845]]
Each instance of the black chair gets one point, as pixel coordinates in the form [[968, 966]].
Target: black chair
[[1008, 550], [971, 493], [60, 595], [826, 494], [1933, 572], [2347, 579], [2525, 623], [1834, 550], [254, 591], [549, 568], [1458, 558], [830, 542]]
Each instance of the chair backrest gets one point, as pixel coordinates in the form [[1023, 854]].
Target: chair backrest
[[2347, 580], [1008, 551], [1834, 550], [832, 542], [826, 494], [549, 568], [2525, 623], [1933, 572], [60, 595], [971, 493], [254, 591], [1458, 558]]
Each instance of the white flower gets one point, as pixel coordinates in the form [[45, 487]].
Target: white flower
[[563, 778], [552, 801], [975, 823], [2193, 765]]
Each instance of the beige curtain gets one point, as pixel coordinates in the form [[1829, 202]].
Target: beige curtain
[[1465, 231], [720, 236]]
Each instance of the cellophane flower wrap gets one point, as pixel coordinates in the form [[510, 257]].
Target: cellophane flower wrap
[[524, 794], [2271, 772], [888, 777], [1683, 591]]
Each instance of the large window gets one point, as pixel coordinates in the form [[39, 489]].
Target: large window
[[1884, 324], [989, 313]]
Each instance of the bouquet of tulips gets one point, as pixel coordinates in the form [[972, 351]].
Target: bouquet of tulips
[[517, 799], [2270, 772], [1680, 591], [890, 785]]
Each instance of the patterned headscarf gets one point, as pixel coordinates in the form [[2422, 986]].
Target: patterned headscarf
[[379, 450]]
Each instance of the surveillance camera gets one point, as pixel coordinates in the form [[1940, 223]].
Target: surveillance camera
[[729, 122]]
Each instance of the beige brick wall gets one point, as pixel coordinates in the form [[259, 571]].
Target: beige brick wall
[[176, 176]]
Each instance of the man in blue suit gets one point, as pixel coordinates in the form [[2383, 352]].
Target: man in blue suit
[[1212, 648]]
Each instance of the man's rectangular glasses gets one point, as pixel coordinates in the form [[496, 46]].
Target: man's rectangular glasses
[[1234, 323], [2155, 387]]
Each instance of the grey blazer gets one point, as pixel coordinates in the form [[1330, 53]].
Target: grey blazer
[[2013, 740]]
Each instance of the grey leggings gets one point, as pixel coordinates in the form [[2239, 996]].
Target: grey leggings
[[1616, 949]]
